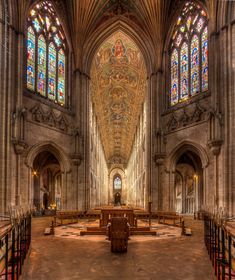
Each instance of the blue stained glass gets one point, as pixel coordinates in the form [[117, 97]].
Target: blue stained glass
[[204, 60], [36, 25], [52, 72], [57, 40], [194, 65], [31, 59], [184, 71], [41, 83], [174, 77]]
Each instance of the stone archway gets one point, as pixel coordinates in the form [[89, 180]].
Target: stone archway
[[186, 165], [48, 168], [188, 183], [46, 181]]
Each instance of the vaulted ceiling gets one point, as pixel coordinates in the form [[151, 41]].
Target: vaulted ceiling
[[118, 88], [149, 18]]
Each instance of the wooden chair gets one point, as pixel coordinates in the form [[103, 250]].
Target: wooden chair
[[118, 234]]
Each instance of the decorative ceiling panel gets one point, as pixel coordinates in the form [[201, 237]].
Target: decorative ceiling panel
[[118, 90]]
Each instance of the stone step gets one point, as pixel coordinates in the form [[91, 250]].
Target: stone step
[[82, 233], [96, 229], [140, 229], [143, 233]]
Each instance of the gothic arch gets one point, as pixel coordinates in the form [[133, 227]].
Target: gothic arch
[[175, 15], [187, 146], [95, 40], [52, 148], [59, 9]]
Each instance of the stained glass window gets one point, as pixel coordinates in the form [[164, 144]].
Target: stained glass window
[[189, 54], [194, 65], [61, 77], [52, 72], [204, 60], [184, 71], [41, 81], [174, 77], [46, 53], [117, 183], [31, 59]]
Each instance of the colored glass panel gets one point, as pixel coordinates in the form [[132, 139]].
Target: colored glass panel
[[48, 23], [61, 78], [117, 183], [194, 65], [57, 40], [46, 75], [41, 82], [189, 20], [205, 60], [184, 72], [179, 39], [31, 59], [174, 77], [200, 24], [36, 25], [52, 72]]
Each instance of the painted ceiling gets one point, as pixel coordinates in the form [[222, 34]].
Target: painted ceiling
[[118, 90]]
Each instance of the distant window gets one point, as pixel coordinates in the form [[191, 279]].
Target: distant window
[[46, 59], [117, 183], [189, 54]]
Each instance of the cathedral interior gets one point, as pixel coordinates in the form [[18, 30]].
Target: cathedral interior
[[118, 104]]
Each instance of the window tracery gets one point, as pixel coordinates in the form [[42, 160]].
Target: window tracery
[[189, 54], [46, 53], [117, 183]]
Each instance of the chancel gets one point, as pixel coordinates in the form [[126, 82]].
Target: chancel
[[117, 148]]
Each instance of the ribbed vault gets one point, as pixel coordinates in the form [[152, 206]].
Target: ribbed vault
[[118, 88]]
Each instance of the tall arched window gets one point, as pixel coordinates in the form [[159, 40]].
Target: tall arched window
[[117, 183], [189, 54], [46, 53]]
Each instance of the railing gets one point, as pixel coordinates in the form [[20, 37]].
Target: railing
[[220, 242], [15, 239]]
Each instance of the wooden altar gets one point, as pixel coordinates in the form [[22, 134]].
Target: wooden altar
[[108, 213]]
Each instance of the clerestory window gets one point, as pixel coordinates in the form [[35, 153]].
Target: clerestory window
[[189, 54], [46, 54]]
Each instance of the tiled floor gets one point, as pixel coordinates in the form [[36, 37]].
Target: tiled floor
[[57, 258], [73, 231]]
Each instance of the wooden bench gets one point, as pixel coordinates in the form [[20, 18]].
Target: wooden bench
[[164, 216], [67, 217]]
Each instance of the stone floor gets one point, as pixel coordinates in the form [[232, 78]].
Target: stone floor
[[56, 258]]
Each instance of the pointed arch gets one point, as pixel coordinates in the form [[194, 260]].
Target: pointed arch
[[190, 38], [183, 147], [103, 33], [48, 40], [51, 147]]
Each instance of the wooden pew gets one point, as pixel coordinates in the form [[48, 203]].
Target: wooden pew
[[67, 217]]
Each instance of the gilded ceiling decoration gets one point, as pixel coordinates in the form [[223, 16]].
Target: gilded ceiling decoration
[[118, 88]]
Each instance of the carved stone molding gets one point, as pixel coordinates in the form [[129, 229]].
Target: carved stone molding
[[173, 123], [185, 117], [49, 118], [20, 146], [215, 146], [159, 158], [76, 159]]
